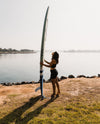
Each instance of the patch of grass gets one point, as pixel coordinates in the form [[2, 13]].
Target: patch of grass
[[83, 113], [48, 112], [13, 95], [34, 111]]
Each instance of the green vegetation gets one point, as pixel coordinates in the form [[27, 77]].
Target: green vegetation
[[57, 111], [14, 51]]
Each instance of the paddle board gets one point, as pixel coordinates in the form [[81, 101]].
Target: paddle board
[[42, 52]]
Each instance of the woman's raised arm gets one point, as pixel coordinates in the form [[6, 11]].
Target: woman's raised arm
[[47, 62]]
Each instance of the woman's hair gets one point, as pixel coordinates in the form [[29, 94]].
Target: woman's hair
[[56, 57]]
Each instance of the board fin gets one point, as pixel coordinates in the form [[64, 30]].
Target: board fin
[[38, 88]]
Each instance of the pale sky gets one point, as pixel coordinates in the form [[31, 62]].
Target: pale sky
[[72, 24]]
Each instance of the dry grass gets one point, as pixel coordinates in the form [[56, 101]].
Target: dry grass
[[79, 102]]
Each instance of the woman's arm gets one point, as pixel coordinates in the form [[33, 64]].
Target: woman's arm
[[47, 62], [45, 65]]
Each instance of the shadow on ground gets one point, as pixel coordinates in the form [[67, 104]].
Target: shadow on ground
[[15, 116]]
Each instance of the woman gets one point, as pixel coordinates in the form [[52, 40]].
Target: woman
[[54, 73]]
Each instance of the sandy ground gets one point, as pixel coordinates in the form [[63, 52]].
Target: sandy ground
[[86, 87]]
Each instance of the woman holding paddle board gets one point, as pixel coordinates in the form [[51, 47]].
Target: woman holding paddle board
[[54, 73]]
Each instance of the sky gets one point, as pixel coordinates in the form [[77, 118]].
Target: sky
[[72, 24]]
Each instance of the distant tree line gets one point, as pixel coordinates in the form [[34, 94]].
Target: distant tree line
[[10, 50]]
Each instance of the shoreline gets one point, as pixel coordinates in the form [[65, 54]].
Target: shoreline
[[17, 53], [47, 81]]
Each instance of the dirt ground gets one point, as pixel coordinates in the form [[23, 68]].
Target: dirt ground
[[86, 87]]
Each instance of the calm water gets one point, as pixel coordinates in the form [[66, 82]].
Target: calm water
[[25, 67]]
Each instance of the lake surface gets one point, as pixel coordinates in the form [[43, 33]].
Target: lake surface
[[25, 67]]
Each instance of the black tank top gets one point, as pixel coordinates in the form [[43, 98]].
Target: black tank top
[[53, 66]]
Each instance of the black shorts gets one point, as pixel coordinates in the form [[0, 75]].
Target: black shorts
[[54, 74]]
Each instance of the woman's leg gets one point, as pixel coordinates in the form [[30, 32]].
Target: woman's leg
[[53, 86], [57, 84]]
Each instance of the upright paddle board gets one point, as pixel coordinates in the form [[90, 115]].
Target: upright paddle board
[[42, 52]]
